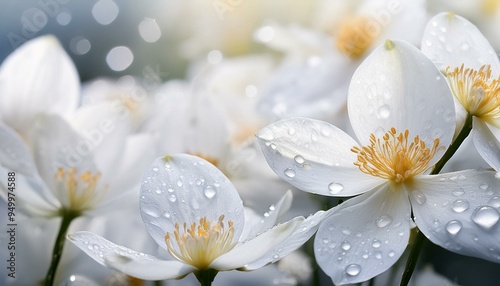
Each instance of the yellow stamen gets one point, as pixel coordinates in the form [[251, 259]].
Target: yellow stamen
[[395, 158], [200, 243], [490, 6], [356, 35], [478, 93], [80, 191]]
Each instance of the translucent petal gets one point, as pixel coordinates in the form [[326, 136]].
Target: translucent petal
[[130, 262], [450, 40], [487, 142], [314, 156], [397, 86], [460, 212], [37, 77], [300, 236], [14, 154], [183, 188], [257, 247], [270, 218], [364, 236]]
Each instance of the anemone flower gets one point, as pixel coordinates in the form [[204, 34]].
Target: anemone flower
[[402, 113], [194, 213]]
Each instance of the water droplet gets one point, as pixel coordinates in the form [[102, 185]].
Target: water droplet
[[484, 187], [170, 190], [460, 205], [266, 134], [458, 192], [391, 253], [494, 202], [485, 216], [166, 214], [419, 197], [289, 173], [179, 183], [464, 46], [291, 131], [384, 111], [150, 212], [209, 192], [384, 221], [376, 243], [353, 269], [345, 245], [158, 191], [172, 198], [346, 232], [378, 255], [335, 188], [326, 240], [453, 227], [299, 159], [276, 256]]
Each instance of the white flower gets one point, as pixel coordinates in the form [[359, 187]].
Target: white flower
[[402, 113], [194, 212], [472, 68]]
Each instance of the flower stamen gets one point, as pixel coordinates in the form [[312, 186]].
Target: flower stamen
[[200, 243], [81, 191], [395, 157], [478, 93], [355, 36]]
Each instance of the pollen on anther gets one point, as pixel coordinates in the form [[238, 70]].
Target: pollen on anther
[[395, 157]]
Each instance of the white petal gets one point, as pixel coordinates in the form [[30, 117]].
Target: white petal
[[270, 217], [314, 156], [182, 189], [301, 235], [460, 212], [365, 236], [450, 40], [397, 86], [37, 77], [130, 262], [255, 248], [14, 154], [103, 128], [486, 140], [55, 145]]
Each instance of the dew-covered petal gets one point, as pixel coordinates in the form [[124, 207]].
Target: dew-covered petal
[[300, 236], [460, 212], [397, 86], [37, 77], [487, 142], [183, 188], [14, 154], [270, 217], [314, 156], [130, 262], [364, 236], [451, 40], [257, 247]]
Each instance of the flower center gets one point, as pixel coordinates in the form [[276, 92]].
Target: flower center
[[395, 158], [79, 192], [200, 243], [356, 35], [490, 6], [478, 93]]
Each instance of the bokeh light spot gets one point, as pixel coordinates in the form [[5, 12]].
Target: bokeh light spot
[[149, 30], [105, 11], [119, 58], [79, 45]]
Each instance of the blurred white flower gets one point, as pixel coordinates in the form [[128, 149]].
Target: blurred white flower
[[194, 212], [401, 110]]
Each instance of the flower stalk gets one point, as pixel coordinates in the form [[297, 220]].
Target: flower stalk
[[67, 217]]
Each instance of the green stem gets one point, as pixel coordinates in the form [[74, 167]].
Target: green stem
[[67, 218], [419, 240], [206, 277]]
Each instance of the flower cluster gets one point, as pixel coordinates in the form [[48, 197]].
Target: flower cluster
[[373, 130]]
